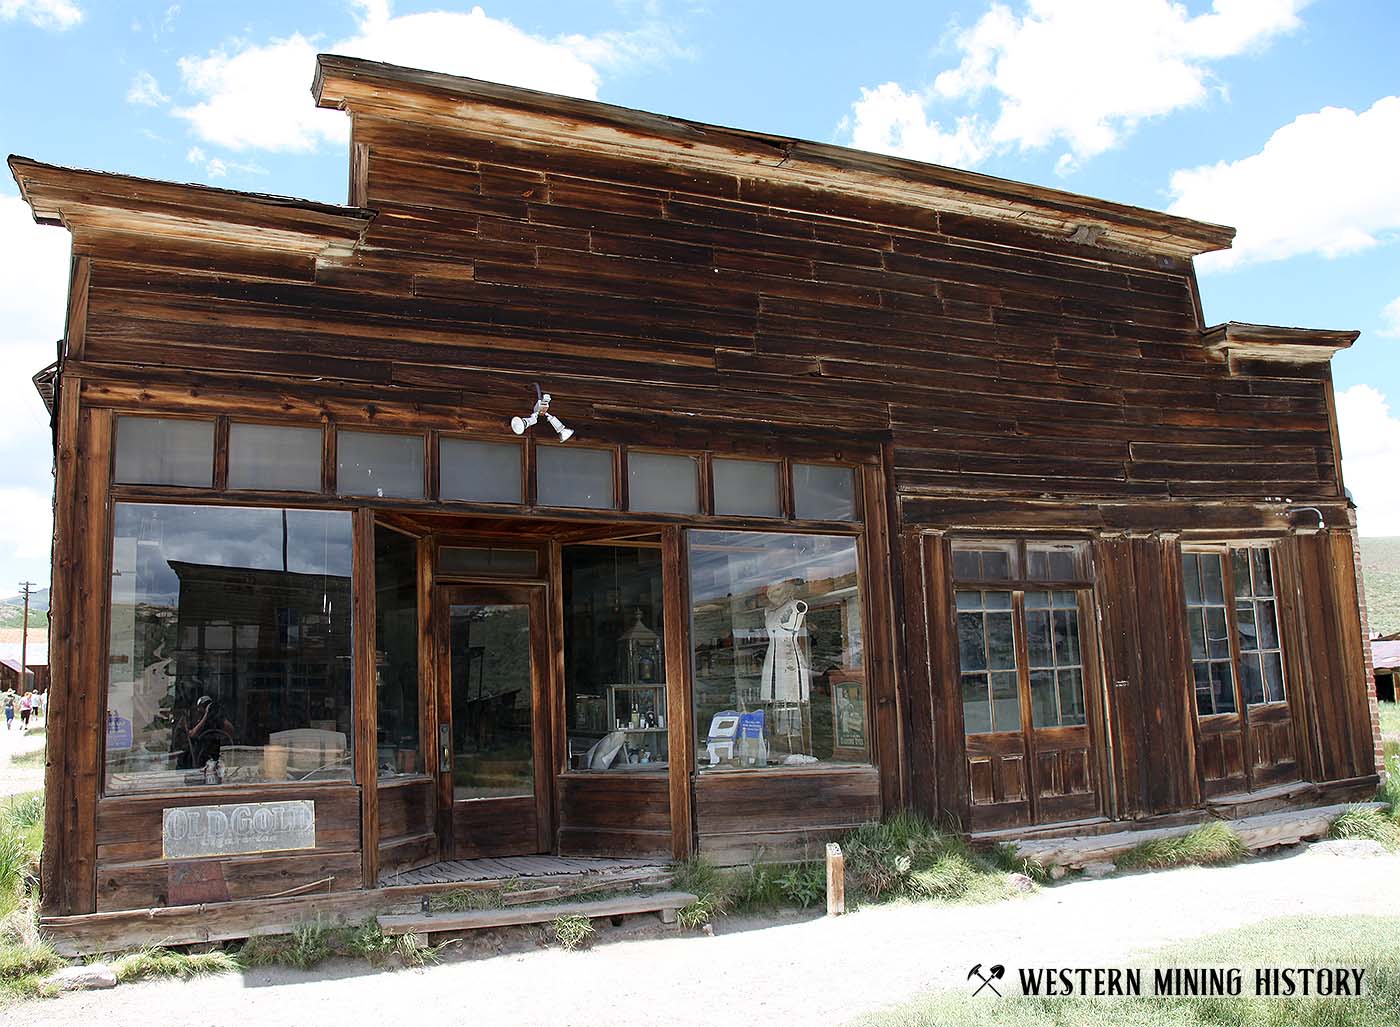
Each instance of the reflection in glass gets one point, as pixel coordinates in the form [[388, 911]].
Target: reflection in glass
[[1052, 635], [229, 647], [614, 663], [396, 651], [823, 492], [987, 646], [1256, 621], [1206, 620], [492, 701], [778, 660]]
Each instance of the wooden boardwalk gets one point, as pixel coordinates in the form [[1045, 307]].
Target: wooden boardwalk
[[461, 871]]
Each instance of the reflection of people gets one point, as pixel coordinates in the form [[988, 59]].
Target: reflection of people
[[787, 675], [9, 700], [210, 730], [26, 706]]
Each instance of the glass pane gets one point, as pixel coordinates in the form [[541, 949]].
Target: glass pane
[[1038, 565], [778, 660], [1066, 600], [972, 651], [1196, 620], [1239, 568], [1212, 578], [272, 457], [996, 564], [396, 656], [1201, 672], [1044, 712], [371, 464], [495, 561], [1064, 565], [1268, 625], [1066, 637], [164, 451], [230, 647], [663, 483], [1273, 677], [492, 701], [1251, 679], [969, 600], [614, 659], [1244, 624], [1001, 641], [997, 600], [823, 492], [1263, 571], [1071, 685], [575, 476], [1217, 634], [977, 710], [1222, 681], [1191, 572], [1038, 638], [1037, 600], [1006, 702], [480, 472], [746, 488], [967, 565]]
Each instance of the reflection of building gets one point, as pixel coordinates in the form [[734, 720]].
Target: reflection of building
[[36, 659], [1027, 497]]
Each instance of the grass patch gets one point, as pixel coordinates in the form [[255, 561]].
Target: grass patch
[[1372, 943], [1207, 845], [1367, 823], [1390, 720], [150, 963], [573, 931], [313, 943], [28, 760]]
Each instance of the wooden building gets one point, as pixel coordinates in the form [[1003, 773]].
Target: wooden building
[[889, 485]]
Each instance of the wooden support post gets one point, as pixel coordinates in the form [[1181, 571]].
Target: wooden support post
[[835, 880]]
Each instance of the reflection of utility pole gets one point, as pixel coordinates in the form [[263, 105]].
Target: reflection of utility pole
[[25, 589]]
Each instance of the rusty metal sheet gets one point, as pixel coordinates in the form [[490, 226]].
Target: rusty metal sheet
[[238, 828]]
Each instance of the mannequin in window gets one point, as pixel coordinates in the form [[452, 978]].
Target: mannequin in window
[[787, 674]]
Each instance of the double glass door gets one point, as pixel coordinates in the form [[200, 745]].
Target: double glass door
[[493, 749]]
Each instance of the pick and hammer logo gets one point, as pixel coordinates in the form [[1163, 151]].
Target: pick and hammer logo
[[993, 974]]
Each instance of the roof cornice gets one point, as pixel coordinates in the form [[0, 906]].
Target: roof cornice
[[1236, 340], [527, 116], [92, 204]]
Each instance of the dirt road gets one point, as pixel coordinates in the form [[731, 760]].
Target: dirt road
[[17, 742], [813, 971]]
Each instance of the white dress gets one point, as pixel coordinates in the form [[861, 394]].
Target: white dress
[[787, 676]]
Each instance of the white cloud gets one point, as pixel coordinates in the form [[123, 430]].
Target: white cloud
[[253, 96], [1390, 320], [33, 298], [218, 167], [1370, 436], [145, 91], [1076, 73], [1325, 183], [46, 14]]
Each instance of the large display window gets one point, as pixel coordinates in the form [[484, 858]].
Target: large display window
[[230, 647], [778, 650]]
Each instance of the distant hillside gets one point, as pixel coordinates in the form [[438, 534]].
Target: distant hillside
[[1380, 564], [13, 616], [38, 600]]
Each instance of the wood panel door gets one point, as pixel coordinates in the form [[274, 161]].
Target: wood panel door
[[495, 771], [1026, 698], [1245, 734]]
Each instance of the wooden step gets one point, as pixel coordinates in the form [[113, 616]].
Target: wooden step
[[666, 903], [1259, 832]]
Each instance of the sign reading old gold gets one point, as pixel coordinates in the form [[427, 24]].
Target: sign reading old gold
[[238, 829]]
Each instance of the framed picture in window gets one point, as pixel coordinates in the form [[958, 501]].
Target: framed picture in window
[[848, 715]]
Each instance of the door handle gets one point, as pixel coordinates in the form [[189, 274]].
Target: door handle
[[444, 748]]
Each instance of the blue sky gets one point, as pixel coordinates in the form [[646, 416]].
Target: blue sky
[[1281, 117]]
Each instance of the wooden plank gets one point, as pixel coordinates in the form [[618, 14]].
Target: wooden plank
[[481, 918], [675, 577], [366, 702]]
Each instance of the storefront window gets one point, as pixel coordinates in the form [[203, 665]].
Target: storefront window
[[230, 647], [614, 666], [396, 651], [777, 648]]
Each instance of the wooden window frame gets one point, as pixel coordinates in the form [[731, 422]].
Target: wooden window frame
[[1225, 550], [1018, 550]]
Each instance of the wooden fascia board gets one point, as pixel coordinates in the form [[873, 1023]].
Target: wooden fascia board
[[525, 116], [1236, 340], [93, 203]]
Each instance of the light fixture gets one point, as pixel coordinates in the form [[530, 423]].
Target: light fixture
[[1321, 523], [520, 424]]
